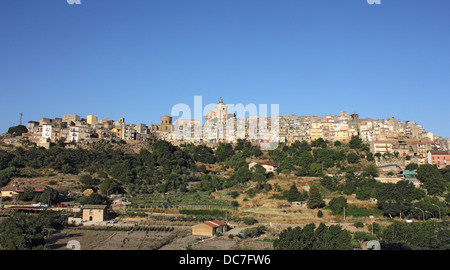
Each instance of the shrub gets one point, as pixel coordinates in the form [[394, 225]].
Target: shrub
[[249, 220], [358, 224]]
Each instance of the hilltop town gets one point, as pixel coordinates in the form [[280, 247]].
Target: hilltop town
[[174, 184], [391, 135]]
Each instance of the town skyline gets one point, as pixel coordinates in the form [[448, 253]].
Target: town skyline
[[204, 110], [222, 124], [155, 117], [136, 59]]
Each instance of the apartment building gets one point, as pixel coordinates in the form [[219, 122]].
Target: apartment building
[[439, 158], [381, 147]]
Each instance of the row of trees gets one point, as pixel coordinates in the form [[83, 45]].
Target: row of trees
[[314, 238], [398, 235]]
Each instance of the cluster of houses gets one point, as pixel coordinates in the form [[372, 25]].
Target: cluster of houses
[[74, 129], [385, 136]]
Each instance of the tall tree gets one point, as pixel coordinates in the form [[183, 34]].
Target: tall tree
[[293, 194], [432, 179], [315, 198], [337, 204]]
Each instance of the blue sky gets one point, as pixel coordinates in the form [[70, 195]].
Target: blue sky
[[138, 58]]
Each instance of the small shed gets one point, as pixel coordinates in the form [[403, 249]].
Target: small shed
[[209, 228]]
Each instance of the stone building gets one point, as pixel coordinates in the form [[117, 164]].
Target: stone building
[[165, 126], [93, 212]]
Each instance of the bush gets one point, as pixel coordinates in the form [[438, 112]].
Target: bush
[[320, 214], [249, 220], [358, 224], [255, 232], [364, 236]]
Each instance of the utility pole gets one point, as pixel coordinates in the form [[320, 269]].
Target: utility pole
[[20, 122]]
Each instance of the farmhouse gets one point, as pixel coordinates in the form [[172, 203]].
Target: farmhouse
[[94, 212], [270, 167]]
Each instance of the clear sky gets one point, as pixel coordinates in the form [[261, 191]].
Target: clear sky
[[138, 58]]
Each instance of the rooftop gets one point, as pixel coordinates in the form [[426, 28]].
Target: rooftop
[[94, 206], [440, 152], [215, 223]]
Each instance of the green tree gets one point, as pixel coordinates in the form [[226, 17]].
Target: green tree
[[88, 180], [432, 206], [432, 179], [26, 232], [49, 196], [338, 204], [352, 158], [107, 187], [415, 236], [17, 130], [315, 198], [21, 232], [94, 198], [224, 151], [242, 175], [396, 199], [355, 142], [293, 195], [260, 179], [5, 159], [204, 154], [371, 170], [412, 166], [329, 183]]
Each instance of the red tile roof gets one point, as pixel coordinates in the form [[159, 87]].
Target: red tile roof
[[440, 152], [215, 223]]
